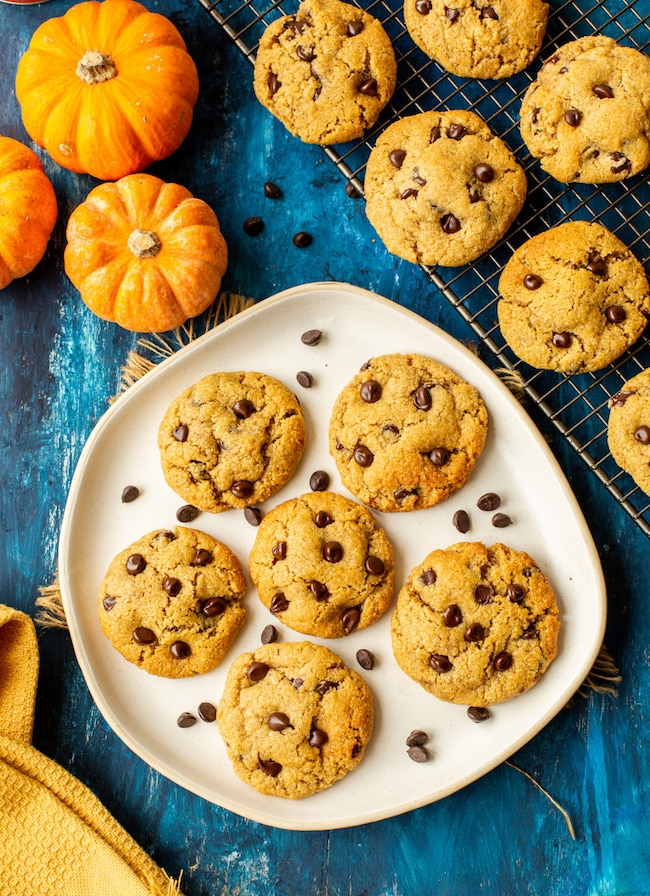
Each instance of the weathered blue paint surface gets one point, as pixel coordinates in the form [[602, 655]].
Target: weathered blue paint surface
[[59, 366]]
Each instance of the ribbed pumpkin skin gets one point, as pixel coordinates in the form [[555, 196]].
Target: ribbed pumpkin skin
[[145, 294], [28, 210], [118, 126]]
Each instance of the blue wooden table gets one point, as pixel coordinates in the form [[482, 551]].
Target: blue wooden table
[[60, 366]]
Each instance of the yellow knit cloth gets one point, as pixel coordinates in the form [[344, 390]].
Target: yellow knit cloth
[[56, 838]]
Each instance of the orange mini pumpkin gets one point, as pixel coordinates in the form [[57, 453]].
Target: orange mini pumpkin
[[108, 88], [145, 254], [28, 210]]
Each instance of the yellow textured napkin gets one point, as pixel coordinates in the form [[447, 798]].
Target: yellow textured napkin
[[56, 838]]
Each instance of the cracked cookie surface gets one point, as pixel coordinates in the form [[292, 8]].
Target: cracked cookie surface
[[493, 40], [322, 565], [587, 116], [231, 440], [476, 625], [171, 602], [326, 72], [406, 432], [294, 718], [441, 188], [628, 429], [573, 298]]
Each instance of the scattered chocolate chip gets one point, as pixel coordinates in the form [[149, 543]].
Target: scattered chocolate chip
[[482, 594], [417, 738], [278, 721], [130, 493], [418, 754], [475, 632], [213, 606], [452, 616], [397, 157], [355, 27], [323, 519], [370, 391], [615, 314], [135, 564], [488, 501], [243, 408], [422, 399], [109, 602], [352, 191], [642, 434], [317, 737], [561, 340], [187, 513], [423, 7], [186, 720], [363, 456], [440, 663], [532, 281], [311, 337], [253, 515], [180, 650], [374, 566], [515, 592], [428, 577], [484, 173], [478, 713], [257, 671], [172, 586], [501, 520], [270, 767], [279, 550], [271, 190], [366, 659], [369, 87], [439, 456], [305, 379], [503, 661], [319, 590], [351, 619], [461, 521], [319, 481], [450, 223], [253, 226], [279, 604], [573, 117], [180, 432], [143, 635], [302, 239], [333, 552], [242, 488], [603, 92], [207, 712]]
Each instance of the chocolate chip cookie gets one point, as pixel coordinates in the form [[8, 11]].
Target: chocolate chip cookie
[[478, 40], [406, 432], [326, 72], [322, 565], [231, 440], [573, 298], [476, 625], [441, 188], [628, 429], [587, 116], [294, 718], [171, 602]]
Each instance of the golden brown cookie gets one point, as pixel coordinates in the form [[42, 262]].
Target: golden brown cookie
[[441, 188], [406, 432], [294, 718], [628, 429], [171, 602], [493, 39], [587, 116], [573, 298], [322, 565], [475, 625], [326, 72], [231, 440]]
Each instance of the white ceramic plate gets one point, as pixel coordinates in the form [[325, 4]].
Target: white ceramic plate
[[516, 463]]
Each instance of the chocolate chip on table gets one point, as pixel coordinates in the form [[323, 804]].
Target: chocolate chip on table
[[351, 191], [253, 226], [187, 513], [186, 720], [417, 738], [311, 337], [253, 515], [366, 659], [207, 711], [489, 501], [501, 520], [305, 379], [269, 634], [130, 493], [478, 713], [418, 754], [302, 239], [319, 481], [271, 190], [461, 521]]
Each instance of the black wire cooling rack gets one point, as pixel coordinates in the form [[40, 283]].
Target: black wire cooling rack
[[576, 405]]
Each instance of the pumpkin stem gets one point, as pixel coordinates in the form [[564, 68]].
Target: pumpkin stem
[[95, 67], [144, 243]]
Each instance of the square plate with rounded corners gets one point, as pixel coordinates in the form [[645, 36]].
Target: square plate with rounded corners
[[516, 463]]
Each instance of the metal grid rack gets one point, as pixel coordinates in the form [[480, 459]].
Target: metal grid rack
[[576, 405]]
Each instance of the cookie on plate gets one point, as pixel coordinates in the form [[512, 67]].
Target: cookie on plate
[[441, 188], [326, 72], [628, 429], [587, 116], [489, 40], [475, 625], [294, 718], [231, 440], [573, 298], [406, 432], [171, 602], [322, 565]]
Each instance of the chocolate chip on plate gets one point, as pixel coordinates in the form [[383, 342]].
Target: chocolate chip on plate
[[311, 337], [187, 513], [207, 711], [305, 379], [319, 481], [365, 658], [489, 501], [130, 493], [186, 720]]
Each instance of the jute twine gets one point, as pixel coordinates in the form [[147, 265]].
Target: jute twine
[[604, 676]]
